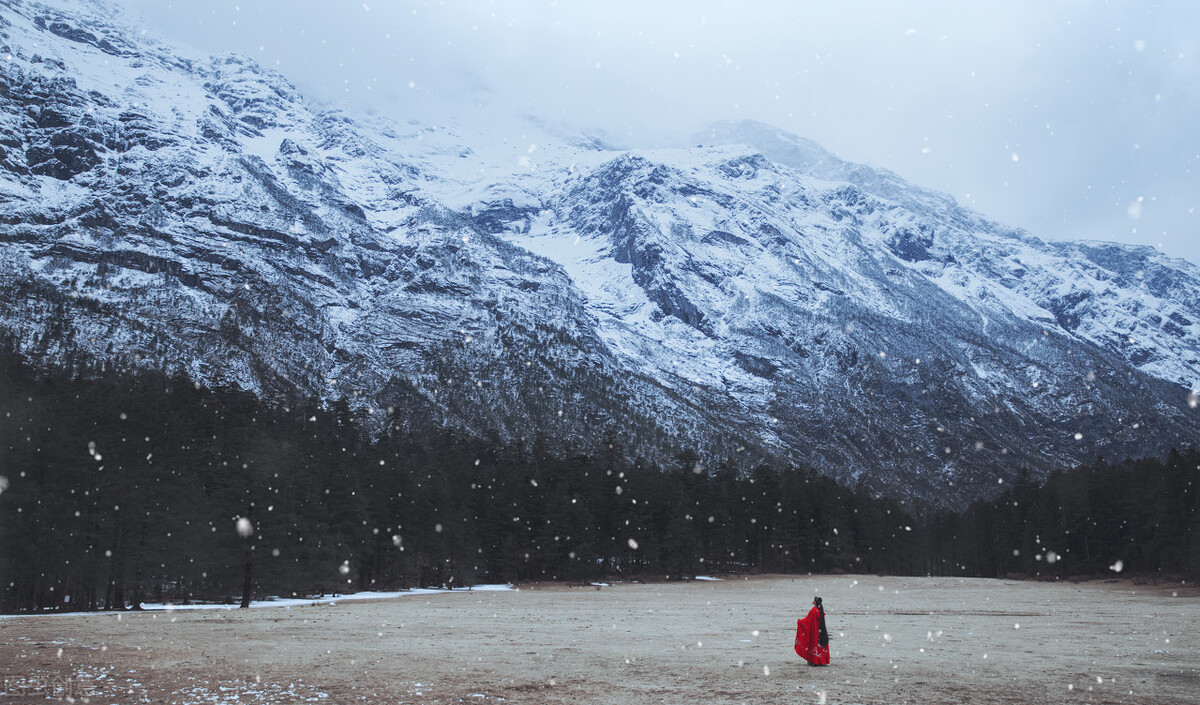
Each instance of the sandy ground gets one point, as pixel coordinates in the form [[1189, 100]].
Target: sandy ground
[[894, 640]]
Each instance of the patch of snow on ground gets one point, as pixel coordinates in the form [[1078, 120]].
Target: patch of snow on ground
[[288, 602]]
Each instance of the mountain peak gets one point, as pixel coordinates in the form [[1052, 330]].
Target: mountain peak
[[810, 158], [514, 278], [778, 145]]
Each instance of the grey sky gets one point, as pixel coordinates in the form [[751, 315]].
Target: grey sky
[[1053, 116]]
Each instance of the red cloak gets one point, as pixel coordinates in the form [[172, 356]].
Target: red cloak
[[807, 635]]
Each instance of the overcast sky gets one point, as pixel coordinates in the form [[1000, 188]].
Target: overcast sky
[[1070, 119]]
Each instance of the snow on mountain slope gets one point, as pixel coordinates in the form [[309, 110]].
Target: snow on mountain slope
[[753, 297], [1146, 296], [784, 299], [194, 214]]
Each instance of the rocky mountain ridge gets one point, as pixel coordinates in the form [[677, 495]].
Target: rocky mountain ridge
[[751, 297]]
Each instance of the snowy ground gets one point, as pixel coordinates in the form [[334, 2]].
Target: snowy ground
[[288, 602], [895, 640]]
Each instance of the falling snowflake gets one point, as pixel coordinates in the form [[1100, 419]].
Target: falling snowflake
[[633, 544], [244, 528], [1118, 566]]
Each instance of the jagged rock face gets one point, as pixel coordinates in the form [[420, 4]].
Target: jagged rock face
[[859, 334], [753, 297], [221, 229]]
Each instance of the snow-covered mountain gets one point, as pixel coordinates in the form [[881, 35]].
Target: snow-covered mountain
[[750, 295]]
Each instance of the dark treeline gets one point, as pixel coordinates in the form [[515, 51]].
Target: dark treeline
[[1140, 517], [117, 490]]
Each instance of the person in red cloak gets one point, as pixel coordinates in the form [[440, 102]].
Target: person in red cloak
[[812, 639]]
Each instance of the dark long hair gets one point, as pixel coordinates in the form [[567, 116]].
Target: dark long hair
[[823, 634]]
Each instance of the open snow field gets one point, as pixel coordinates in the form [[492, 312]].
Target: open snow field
[[894, 640]]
